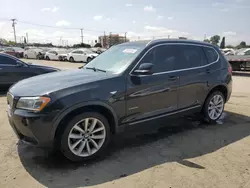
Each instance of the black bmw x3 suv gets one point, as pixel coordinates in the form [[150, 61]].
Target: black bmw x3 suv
[[78, 111]]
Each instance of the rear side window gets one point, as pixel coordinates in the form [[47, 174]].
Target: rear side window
[[190, 56], [7, 61], [211, 54]]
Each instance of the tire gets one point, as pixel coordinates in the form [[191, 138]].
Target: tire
[[209, 107], [60, 58], [71, 59], [26, 57], [38, 56], [88, 60], [67, 143], [47, 58]]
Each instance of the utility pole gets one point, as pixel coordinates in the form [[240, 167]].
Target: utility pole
[[205, 37], [82, 35], [125, 36], [27, 38], [14, 28], [104, 40], [110, 44]]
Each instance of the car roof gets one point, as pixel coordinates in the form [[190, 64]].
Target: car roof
[[160, 41]]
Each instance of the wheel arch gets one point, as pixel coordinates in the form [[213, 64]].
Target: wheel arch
[[101, 107], [222, 88]]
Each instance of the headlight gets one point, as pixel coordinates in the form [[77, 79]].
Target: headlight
[[32, 103]]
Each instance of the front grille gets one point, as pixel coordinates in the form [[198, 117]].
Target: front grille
[[10, 100]]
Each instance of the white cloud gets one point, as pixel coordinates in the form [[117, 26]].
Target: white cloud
[[133, 21], [129, 5], [163, 32], [48, 9], [224, 10], [159, 17], [62, 23], [45, 9], [170, 18], [98, 18], [149, 8], [54, 9], [216, 4], [229, 33]]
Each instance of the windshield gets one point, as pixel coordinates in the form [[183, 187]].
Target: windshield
[[117, 58]]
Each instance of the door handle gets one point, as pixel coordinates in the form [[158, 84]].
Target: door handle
[[208, 71], [173, 78]]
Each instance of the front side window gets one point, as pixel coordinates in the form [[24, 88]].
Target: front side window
[[164, 58], [211, 54], [117, 58], [7, 61]]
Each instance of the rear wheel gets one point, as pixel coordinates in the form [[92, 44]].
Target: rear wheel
[[213, 107], [71, 59], [47, 58], [85, 137]]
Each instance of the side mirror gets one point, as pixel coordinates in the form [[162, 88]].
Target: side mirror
[[144, 69]]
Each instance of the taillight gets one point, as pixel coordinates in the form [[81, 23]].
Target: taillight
[[230, 69]]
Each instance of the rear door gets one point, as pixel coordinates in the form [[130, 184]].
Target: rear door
[[193, 77]]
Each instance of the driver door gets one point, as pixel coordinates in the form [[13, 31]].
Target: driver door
[[154, 95]]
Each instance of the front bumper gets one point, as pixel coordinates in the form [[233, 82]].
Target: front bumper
[[31, 128]]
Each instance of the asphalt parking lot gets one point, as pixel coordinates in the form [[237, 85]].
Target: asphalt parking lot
[[191, 155]]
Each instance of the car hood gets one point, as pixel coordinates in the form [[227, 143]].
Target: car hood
[[31, 65], [52, 82]]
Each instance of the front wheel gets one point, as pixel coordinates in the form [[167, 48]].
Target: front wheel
[[85, 137], [213, 107], [47, 58]]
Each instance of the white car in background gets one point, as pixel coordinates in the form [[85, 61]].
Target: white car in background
[[60, 55], [34, 53], [243, 51], [78, 55]]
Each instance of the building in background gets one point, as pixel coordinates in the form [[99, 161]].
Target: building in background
[[109, 40]]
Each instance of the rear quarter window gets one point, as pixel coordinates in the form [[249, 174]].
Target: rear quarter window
[[211, 54]]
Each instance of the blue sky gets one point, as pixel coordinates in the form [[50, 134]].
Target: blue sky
[[141, 19]]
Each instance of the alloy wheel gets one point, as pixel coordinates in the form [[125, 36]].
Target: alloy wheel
[[86, 137], [215, 107]]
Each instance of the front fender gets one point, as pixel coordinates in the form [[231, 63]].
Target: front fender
[[60, 117]]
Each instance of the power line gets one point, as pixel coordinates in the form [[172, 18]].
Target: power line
[[70, 28]]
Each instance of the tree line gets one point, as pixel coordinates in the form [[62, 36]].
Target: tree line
[[215, 40]]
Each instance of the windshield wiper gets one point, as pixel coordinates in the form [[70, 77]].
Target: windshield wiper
[[95, 69]]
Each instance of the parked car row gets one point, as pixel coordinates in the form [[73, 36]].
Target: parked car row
[[76, 55]]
